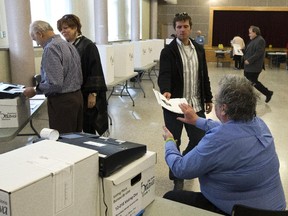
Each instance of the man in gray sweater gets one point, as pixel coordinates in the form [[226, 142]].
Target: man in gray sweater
[[254, 61]]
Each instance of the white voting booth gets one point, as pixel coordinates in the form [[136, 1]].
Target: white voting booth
[[124, 59], [155, 48], [141, 53], [106, 53]]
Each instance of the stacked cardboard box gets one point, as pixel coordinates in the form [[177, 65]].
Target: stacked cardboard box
[[49, 178], [13, 112], [131, 189]]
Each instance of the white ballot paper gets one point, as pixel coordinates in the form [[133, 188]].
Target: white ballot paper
[[237, 49], [172, 104]]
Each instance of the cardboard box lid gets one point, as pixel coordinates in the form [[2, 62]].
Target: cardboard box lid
[[14, 101], [29, 164], [19, 175], [134, 168]]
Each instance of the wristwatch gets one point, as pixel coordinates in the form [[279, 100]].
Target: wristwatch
[[94, 94]]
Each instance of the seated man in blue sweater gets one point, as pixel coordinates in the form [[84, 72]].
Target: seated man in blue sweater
[[235, 161]]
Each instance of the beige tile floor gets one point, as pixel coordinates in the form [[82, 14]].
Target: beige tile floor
[[143, 122]]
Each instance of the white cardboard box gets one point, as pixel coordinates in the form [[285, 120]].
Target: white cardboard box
[[129, 190], [49, 178], [13, 112], [106, 53]]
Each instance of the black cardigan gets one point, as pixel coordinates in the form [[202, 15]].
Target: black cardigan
[[93, 80]]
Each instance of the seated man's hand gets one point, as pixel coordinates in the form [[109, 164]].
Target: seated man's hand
[[167, 134], [190, 116]]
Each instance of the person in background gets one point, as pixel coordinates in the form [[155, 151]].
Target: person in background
[[236, 161], [94, 87], [238, 46], [254, 61], [61, 79], [183, 73], [200, 38]]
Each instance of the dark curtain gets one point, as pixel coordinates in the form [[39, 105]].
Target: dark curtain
[[273, 26]]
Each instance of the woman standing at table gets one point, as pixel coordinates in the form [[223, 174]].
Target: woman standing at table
[[238, 46], [94, 87]]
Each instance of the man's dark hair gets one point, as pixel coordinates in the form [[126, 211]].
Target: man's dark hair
[[255, 29], [182, 17]]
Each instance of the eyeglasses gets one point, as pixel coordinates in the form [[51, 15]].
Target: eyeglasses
[[181, 14]]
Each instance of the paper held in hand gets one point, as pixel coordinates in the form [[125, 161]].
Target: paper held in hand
[[237, 50], [172, 104]]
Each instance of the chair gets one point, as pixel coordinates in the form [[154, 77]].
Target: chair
[[242, 210]]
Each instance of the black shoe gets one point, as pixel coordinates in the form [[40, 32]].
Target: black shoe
[[178, 184], [269, 96]]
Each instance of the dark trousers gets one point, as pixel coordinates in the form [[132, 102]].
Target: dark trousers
[[175, 127], [191, 198], [238, 61], [253, 77], [65, 112]]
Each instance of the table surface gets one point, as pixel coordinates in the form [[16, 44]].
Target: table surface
[[276, 53], [161, 206], [7, 134], [222, 51], [118, 80], [146, 67]]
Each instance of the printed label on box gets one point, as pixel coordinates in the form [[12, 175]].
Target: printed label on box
[[13, 112], [4, 204], [8, 116], [126, 202], [147, 186]]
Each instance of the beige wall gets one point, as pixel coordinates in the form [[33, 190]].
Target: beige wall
[[4, 66]]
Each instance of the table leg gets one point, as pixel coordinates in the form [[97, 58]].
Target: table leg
[[31, 134], [127, 90]]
